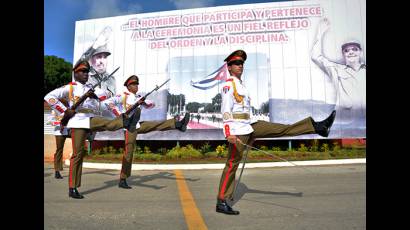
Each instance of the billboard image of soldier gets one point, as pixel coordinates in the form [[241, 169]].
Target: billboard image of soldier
[[97, 55], [348, 77]]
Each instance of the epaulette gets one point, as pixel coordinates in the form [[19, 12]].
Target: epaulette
[[126, 93]]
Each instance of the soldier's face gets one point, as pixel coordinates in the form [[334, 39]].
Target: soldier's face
[[99, 62], [351, 53], [236, 69], [81, 76], [133, 87]]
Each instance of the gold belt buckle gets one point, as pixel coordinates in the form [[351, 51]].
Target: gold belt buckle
[[86, 111], [243, 116]]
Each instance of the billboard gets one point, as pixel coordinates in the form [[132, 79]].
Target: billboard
[[305, 58]]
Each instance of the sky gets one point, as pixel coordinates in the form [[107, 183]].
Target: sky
[[60, 16]]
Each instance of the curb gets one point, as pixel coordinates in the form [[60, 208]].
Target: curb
[[117, 166]]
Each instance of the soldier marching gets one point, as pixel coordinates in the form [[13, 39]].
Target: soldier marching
[[239, 128], [84, 119], [120, 104]]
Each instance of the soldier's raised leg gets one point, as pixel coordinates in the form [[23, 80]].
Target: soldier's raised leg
[[104, 124], [267, 129], [148, 126], [305, 126]]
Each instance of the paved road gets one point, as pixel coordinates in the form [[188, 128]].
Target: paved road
[[325, 197]]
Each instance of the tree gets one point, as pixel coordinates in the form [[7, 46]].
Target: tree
[[265, 107], [57, 72], [175, 102], [209, 108], [216, 102], [192, 107]]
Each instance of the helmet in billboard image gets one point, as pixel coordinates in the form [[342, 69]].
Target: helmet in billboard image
[[99, 59], [236, 55], [131, 79], [102, 49]]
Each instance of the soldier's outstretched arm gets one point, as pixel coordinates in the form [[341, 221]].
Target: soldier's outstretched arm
[[53, 99]]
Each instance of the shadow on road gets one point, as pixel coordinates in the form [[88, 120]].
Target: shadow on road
[[136, 181], [243, 189], [47, 174]]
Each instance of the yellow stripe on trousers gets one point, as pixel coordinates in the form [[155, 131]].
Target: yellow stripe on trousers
[[193, 217]]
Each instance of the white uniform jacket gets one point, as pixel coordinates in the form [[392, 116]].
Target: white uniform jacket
[[121, 102], [236, 111], [72, 92]]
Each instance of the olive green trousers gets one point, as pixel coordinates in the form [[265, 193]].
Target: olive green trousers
[[130, 139], [78, 136], [58, 155]]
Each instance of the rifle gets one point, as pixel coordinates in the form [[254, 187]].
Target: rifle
[[140, 101], [68, 116]]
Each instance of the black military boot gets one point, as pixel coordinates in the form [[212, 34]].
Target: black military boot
[[57, 175], [323, 127], [123, 184], [182, 124], [73, 193], [223, 207]]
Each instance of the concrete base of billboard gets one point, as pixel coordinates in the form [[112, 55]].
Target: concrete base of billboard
[[189, 134], [115, 166], [50, 148]]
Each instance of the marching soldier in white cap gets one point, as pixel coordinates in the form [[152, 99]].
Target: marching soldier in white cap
[[84, 119], [239, 128], [119, 104]]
